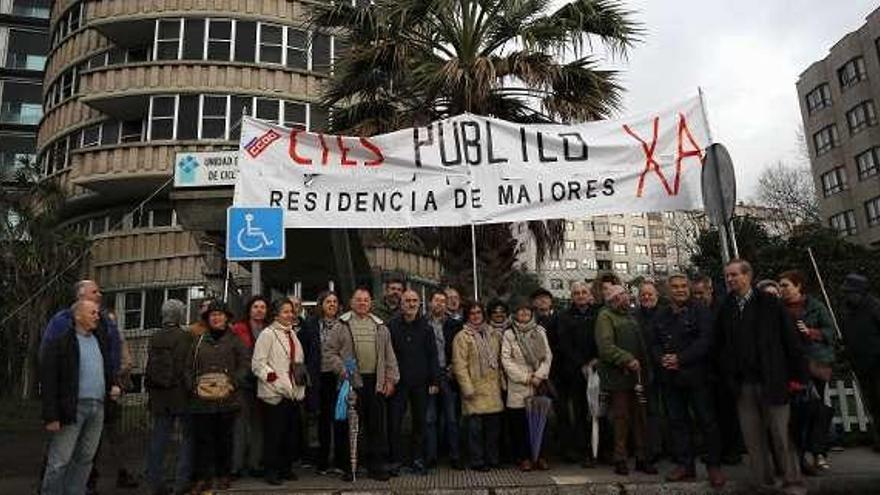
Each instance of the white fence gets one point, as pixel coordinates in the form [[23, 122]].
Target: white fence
[[849, 410]]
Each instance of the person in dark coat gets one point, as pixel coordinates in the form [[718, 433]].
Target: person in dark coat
[[680, 346], [321, 395], [443, 412], [215, 352], [646, 314], [574, 350], [166, 386], [760, 357], [416, 351], [860, 325], [76, 376]]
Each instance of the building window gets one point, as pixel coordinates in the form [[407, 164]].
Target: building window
[[31, 8], [618, 229], [571, 264], [642, 267], [554, 265], [214, 117], [163, 114], [295, 115], [271, 43], [220, 39], [603, 264], [819, 98], [589, 263], [638, 231], [660, 268], [569, 226], [658, 250], [556, 283], [91, 136], [169, 39], [297, 49], [587, 245], [834, 181], [132, 310], [844, 223], [131, 131], [826, 139], [642, 249], [868, 163], [872, 211], [603, 246], [861, 116], [852, 72], [619, 248], [588, 225], [621, 267], [267, 109], [570, 245], [600, 228]]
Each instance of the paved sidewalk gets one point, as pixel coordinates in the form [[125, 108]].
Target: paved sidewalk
[[854, 472]]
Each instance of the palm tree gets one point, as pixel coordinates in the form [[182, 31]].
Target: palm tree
[[408, 62]]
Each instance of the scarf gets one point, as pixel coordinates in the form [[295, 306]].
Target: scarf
[[487, 359], [500, 327], [530, 341], [797, 308]]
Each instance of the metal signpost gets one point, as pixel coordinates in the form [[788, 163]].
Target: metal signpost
[[719, 197], [254, 234]]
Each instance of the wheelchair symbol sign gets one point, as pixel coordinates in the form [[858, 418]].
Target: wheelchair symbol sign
[[254, 234]]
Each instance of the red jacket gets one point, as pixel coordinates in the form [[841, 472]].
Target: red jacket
[[243, 330]]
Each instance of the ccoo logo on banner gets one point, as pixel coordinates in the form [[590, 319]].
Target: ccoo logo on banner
[[474, 169]]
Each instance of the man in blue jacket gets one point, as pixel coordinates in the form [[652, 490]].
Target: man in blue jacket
[[76, 379], [87, 290], [682, 340]]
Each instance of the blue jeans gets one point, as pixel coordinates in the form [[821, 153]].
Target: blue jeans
[[72, 450], [163, 427], [442, 414]]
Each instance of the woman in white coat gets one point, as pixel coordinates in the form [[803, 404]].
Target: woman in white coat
[[278, 363], [526, 358]]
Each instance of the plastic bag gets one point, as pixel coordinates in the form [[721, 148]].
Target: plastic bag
[[342, 401], [593, 393]]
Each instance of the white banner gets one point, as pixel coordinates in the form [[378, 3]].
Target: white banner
[[474, 169]]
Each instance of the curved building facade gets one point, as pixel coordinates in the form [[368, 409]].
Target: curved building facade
[[130, 83]]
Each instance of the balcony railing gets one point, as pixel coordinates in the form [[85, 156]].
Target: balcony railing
[[14, 112]]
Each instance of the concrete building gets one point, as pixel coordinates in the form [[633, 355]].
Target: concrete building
[[838, 97], [638, 245], [129, 85], [24, 41]]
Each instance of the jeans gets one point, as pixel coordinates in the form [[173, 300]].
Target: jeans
[[680, 401], [247, 447], [519, 434], [756, 418], [417, 397], [213, 444], [483, 431], [160, 436], [442, 418], [281, 424], [72, 450], [328, 428]]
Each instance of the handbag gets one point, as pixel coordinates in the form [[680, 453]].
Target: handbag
[[299, 373], [212, 385], [545, 388]]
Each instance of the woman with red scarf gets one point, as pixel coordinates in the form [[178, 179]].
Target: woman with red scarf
[[815, 327]]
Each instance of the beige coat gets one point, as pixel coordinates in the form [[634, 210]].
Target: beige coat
[[479, 394], [518, 370], [341, 346], [272, 354]]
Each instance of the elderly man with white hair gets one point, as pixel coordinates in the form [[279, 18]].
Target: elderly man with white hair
[[622, 358]]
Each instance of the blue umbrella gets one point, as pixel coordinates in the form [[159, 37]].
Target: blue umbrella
[[537, 409]]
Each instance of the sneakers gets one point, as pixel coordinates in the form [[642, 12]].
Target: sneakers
[[681, 473], [716, 477], [822, 462]]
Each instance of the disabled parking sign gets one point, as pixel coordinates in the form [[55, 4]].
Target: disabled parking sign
[[254, 234]]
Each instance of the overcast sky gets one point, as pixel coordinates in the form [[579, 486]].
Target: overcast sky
[[747, 55]]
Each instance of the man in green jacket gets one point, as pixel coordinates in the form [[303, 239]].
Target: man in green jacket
[[622, 352]]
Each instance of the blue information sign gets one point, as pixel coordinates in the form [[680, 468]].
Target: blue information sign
[[254, 234]]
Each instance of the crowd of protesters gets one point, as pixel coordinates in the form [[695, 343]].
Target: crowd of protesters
[[747, 372]]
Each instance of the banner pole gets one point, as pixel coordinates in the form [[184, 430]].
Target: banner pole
[[474, 260]]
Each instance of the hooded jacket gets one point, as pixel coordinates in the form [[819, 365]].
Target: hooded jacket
[[175, 340], [343, 347]]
